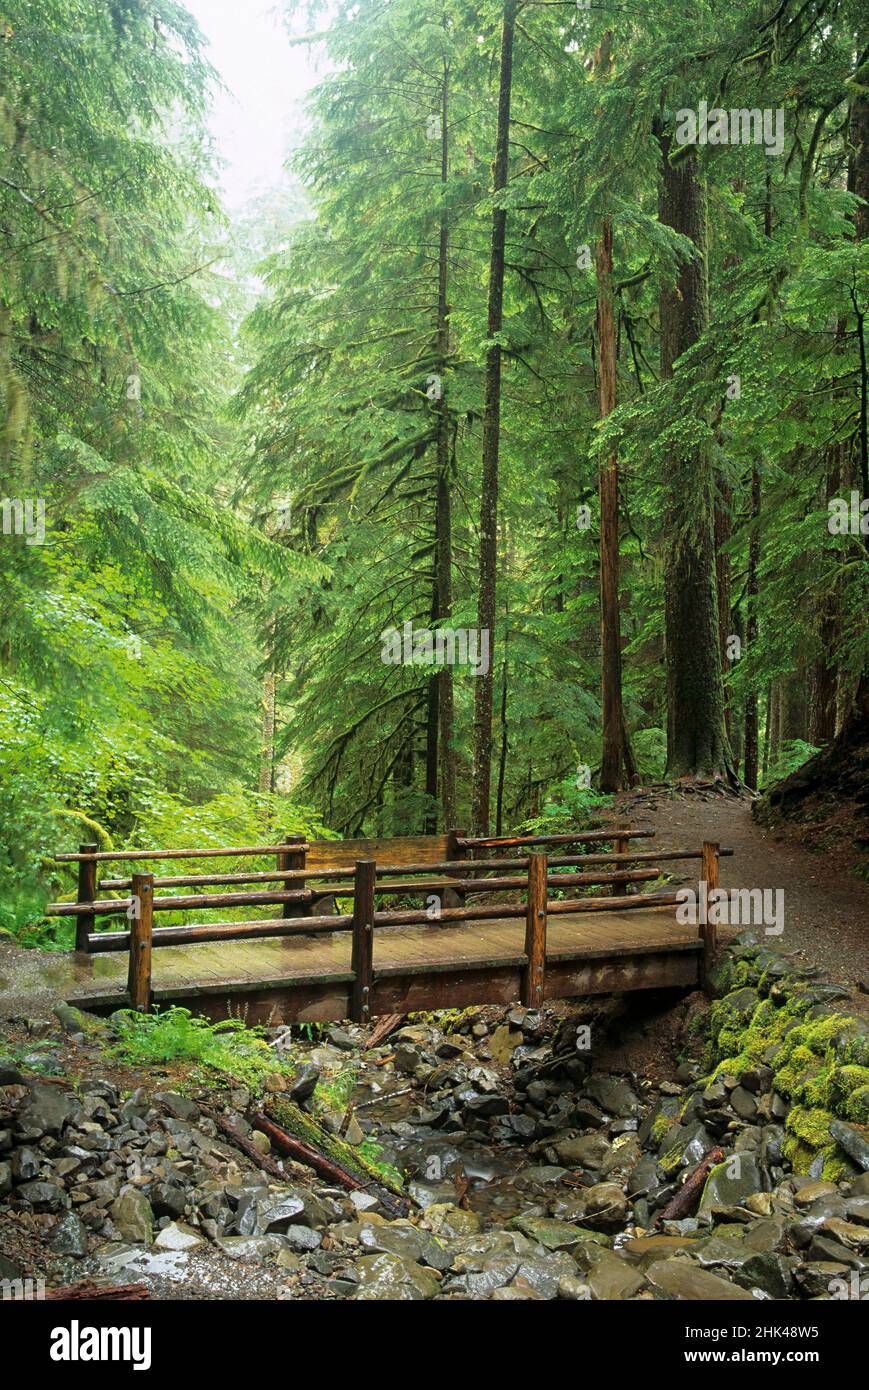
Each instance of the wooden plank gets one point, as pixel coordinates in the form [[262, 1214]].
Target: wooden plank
[[403, 849], [535, 933], [141, 930], [361, 961], [652, 970]]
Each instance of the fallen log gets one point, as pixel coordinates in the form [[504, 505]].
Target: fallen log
[[382, 1029], [327, 1168], [88, 1290], [689, 1192]]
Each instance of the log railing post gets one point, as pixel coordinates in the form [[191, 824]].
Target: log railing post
[[709, 875], [291, 857], [535, 933], [362, 956], [141, 933], [453, 897], [87, 891], [621, 845]]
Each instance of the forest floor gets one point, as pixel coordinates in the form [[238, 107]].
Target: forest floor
[[826, 903]]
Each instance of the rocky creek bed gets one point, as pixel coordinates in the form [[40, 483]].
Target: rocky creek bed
[[534, 1167]]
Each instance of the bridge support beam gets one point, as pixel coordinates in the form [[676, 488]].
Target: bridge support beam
[[141, 933], [710, 875], [362, 954], [87, 892], [533, 976]]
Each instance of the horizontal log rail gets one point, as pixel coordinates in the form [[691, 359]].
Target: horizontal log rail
[[580, 836], [141, 855], [100, 942], [117, 907], [463, 842], [330, 876]]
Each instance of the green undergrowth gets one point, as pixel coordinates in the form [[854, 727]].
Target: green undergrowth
[[773, 1012], [229, 1048]]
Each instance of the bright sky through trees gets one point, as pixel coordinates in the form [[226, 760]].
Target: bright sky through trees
[[266, 79]]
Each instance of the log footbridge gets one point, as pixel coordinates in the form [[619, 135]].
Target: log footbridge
[[460, 947]]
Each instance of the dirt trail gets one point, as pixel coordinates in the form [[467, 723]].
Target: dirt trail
[[826, 905]]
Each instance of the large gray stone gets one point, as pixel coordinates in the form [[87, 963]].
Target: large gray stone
[[133, 1217], [731, 1182]]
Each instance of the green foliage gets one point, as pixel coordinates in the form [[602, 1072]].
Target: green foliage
[[793, 753], [176, 1035]]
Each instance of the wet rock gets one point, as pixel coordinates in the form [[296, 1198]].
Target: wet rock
[[301, 1238], [177, 1236], [743, 1102], [408, 1242], [133, 1217], [486, 1105], [304, 1082], [47, 1110], [611, 1278], [613, 1094], [606, 1207], [849, 1139], [731, 1182], [449, 1221], [179, 1106], [387, 1276], [250, 1249], [69, 1236], [646, 1249], [5, 1179], [550, 1233], [43, 1196], [811, 1192], [584, 1151], [168, 1199], [574, 1289], [682, 1278]]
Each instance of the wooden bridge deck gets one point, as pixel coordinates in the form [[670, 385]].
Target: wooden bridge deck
[[308, 977]]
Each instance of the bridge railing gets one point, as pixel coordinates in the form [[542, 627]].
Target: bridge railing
[[462, 877]]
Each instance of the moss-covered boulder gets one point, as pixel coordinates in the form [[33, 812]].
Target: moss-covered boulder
[[775, 1011]]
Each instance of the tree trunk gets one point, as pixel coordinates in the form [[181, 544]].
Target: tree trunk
[[267, 740], [696, 740], [443, 519], [502, 760], [750, 757], [608, 485], [481, 791]]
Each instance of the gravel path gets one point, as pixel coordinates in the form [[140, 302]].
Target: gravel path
[[826, 905]]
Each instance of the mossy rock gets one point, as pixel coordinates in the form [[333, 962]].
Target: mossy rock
[[728, 1018], [807, 1135], [849, 1093]]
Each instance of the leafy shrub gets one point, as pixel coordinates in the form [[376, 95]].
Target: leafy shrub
[[176, 1035]]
